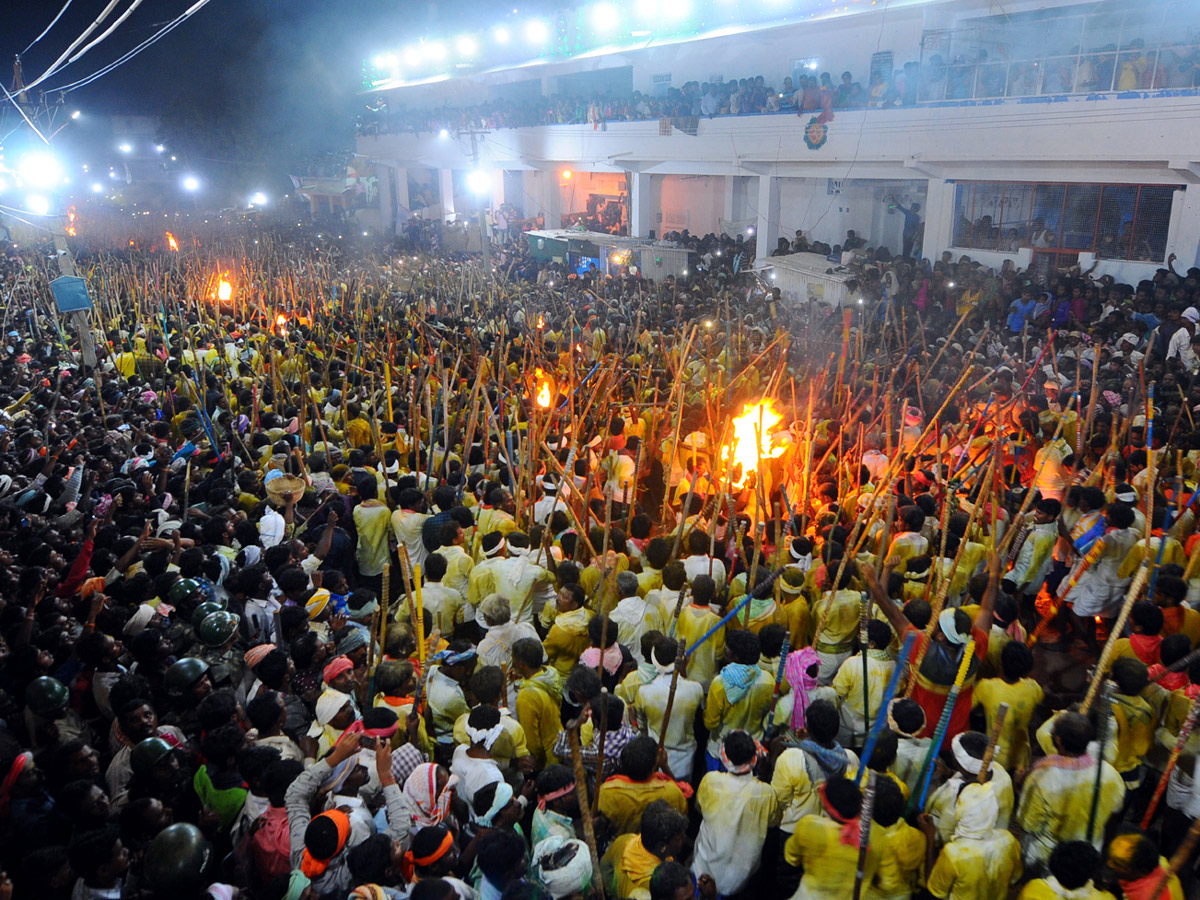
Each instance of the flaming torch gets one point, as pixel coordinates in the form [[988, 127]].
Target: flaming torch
[[172, 244], [752, 439], [543, 394], [224, 290]]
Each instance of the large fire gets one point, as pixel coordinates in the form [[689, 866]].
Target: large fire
[[224, 290], [543, 394], [172, 243], [752, 439]]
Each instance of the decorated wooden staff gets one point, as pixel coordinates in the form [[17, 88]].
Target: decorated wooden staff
[[581, 794], [917, 800], [864, 832], [1185, 732], [888, 693], [1181, 856], [1102, 728], [680, 659], [1102, 665], [993, 742]]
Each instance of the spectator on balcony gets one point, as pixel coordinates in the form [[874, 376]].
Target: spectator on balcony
[[810, 100], [879, 92], [849, 94], [709, 104], [787, 94]]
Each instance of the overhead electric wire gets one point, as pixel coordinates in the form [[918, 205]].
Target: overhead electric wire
[[154, 38], [48, 27], [57, 64], [28, 120], [111, 28]]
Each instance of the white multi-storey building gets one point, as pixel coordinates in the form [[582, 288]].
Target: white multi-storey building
[[1047, 132]]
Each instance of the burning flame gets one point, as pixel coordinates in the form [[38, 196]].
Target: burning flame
[[172, 244], [752, 439], [541, 322], [224, 290], [543, 394], [280, 320]]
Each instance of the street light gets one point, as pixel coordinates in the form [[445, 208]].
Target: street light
[[479, 181], [40, 169], [126, 148], [258, 198], [191, 183]]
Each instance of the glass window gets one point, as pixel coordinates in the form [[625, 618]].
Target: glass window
[[1046, 226], [1120, 221], [1150, 224], [1117, 205], [1079, 218]]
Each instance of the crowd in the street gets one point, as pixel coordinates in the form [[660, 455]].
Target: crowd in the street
[[389, 577]]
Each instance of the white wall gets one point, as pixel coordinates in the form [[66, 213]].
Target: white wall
[[695, 202]]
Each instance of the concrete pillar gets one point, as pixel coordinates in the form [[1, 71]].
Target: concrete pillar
[[642, 218], [552, 203], [400, 191], [939, 218], [766, 229], [1183, 235], [387, 205], [446, 184]]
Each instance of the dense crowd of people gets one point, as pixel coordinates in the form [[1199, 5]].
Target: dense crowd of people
[[390, 578], [1005, 71]]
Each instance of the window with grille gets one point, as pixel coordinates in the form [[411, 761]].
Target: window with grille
[[1114, 221]]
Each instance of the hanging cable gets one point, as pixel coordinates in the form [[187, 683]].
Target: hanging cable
[[124, 58], [111, 28], [28, 120], [57, 64], [48, 27]]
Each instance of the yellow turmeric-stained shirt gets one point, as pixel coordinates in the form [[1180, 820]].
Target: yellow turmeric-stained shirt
[[977, 869], [901, 861], [1022, 697], [829, 864]]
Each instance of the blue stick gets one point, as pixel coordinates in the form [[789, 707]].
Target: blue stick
[[729, 615], [897, 673]]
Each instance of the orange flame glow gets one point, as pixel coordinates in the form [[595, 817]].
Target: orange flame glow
[[280, 320], [752, 439], [543, 394], [224, 290], [541, 322], [172, 244]]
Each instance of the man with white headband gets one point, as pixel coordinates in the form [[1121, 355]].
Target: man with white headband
[[738, 809], [651, 702], [967, 751]]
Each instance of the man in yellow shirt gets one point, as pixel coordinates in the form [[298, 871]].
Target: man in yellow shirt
[[624, 797], [825, 847], [538, 700], [568, 636], [848, 683], [981, 861], [1134, 719], [632, 858], [371, 519], [696, 619], [1056, 799], [739, 697], [903, 849], [836, 641], [1072, 865], [1022, 694]]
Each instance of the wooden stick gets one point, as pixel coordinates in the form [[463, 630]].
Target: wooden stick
[[581, 793], [993, 741], [1184, 733]]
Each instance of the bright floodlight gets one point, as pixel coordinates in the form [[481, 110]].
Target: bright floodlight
[[501, 35], [479, 182], [97, 187], [412, 55], [75, 115], [258, 198], [435, 51], [466, 45], [536, 31], [126, 148], [37, 204], [40, 169], [159, 148], [386, 61], [605, 17], [191, 183], [443, 134]]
